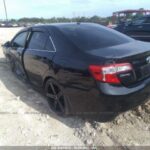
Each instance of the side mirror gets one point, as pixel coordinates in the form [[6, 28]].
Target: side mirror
[[7, 44]]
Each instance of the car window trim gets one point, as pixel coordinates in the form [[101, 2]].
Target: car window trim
[[54, 47], [44, 50]]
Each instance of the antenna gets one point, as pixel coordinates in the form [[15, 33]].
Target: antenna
[[5, 10]]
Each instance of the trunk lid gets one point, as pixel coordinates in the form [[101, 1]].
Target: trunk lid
[[136, 53]]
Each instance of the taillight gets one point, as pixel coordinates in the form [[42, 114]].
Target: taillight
[[108, 73]]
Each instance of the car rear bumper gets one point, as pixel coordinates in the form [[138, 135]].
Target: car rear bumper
[[109, 89], [108, 100]]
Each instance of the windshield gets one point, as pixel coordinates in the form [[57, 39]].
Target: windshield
[[93, 36]]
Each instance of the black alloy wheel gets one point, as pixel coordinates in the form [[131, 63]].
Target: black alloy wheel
[[55, 96]]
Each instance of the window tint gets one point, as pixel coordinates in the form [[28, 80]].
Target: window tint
[[49, 45], [38, 41], [92, 36], [20, 40]]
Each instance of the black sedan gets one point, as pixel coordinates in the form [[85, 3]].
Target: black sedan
[[83, 68]]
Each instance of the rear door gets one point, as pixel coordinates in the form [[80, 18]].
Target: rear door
[[38, 55]]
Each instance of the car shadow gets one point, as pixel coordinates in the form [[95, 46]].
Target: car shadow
[[35, 100]]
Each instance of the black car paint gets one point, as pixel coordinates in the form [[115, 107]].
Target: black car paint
[[69, 66]]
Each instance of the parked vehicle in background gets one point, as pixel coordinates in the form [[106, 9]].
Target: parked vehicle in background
[[2, 24], [8, 24], [138, 28], [83, 68]]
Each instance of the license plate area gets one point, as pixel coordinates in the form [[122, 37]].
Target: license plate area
[[145, 70]]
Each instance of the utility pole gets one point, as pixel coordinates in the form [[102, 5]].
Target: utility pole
[[5, 10]]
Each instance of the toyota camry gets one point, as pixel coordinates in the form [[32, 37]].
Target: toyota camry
[[83, 68]]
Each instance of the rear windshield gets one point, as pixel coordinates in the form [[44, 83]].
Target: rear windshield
[[93, 36]]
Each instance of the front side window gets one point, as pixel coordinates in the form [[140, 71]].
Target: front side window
[[20, 40], [38, 41]]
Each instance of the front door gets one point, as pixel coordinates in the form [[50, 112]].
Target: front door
[[17, 48]]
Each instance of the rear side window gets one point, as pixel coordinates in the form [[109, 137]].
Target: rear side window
[[20, 40], [38, 41], [92, 36]]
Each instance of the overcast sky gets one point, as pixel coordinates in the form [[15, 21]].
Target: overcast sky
[[68, 8]]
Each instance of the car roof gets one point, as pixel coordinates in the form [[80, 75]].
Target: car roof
[[58, 25]]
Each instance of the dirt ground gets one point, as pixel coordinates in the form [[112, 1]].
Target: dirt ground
[[26, 120]]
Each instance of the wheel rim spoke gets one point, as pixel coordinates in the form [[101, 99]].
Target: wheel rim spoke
[[53, 89], [60, 105], [59, 94], [57, 98], [55, 104], [50, 95]]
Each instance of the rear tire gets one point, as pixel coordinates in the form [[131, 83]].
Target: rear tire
[[56, 98]]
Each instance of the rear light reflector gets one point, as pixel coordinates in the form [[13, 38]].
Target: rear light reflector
[[108, 73]]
